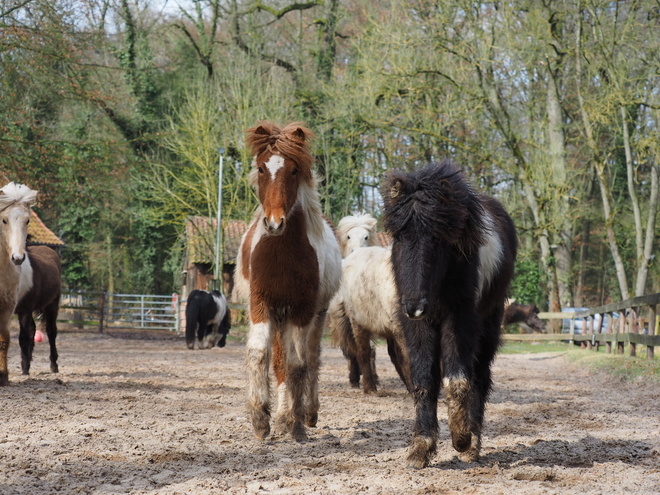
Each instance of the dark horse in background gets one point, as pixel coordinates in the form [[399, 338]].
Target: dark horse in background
[[44, 299], [207, 315], [453, 255]]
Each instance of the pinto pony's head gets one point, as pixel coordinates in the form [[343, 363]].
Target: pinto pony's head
[[282, 163], [15, 203], [432, 214], [356, 231]]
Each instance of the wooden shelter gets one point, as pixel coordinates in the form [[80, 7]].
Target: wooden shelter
[[200, 254]]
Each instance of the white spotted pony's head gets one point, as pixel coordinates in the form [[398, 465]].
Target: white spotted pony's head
[[355, 232]]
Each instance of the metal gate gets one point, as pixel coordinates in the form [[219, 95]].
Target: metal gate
[[142, 311]]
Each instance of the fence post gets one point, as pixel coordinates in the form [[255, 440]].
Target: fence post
[[101, 310], [652, 321], [634, 328], [572, 341], [610, 326], [622, 330]]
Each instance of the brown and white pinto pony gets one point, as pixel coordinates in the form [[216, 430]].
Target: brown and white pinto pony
[[288, 269], [453, 254], [15, 271]]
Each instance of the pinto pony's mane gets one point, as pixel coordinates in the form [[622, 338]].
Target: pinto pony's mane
[[441, 200], [346, 224], [290, 142], [16, 193]]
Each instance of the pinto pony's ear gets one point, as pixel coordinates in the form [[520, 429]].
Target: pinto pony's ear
[[395, 188]]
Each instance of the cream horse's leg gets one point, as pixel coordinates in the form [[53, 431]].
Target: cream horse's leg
[[258, 351]]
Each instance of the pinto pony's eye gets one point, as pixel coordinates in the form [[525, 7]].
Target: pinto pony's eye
[[261, 170], [366, 237], [349, 236], [295, 171], [4, 220]]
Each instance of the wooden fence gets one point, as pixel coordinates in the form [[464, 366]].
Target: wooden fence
[[631, 322]]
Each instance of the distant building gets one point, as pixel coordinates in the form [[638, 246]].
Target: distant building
[[200, 254]]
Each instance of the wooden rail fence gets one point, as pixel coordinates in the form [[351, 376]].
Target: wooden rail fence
[[631, 322]]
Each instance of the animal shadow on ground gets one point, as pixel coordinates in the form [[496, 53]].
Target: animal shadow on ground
[[578, 454]]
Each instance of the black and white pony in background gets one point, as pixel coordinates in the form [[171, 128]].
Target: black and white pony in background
[[207, 315]]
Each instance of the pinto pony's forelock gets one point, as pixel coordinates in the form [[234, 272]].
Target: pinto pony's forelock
[[440, 199], [291, 142]]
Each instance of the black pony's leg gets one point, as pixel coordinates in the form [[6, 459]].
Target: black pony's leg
[[26, 340], [50, 317], [422, 343], [191, 329], [482, 383], [459, 336]]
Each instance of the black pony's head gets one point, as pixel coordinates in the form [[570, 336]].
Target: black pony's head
[[434, 216]]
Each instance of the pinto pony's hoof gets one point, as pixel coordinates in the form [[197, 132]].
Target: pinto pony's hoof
[[421, 452], [54, 368], [312, 419], [261, 424], [4, 379], [298, 432]]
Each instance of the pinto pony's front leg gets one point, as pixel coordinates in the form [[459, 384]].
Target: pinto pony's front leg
[[4, 346], [258, 351], [297, 378]]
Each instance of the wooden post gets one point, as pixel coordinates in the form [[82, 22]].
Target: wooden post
[[634, 328], [652, 321], [101, 311], [584, 344], [610, 326], [622, 330]]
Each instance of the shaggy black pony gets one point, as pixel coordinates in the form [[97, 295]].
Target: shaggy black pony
[[453, 255], [207, 315]]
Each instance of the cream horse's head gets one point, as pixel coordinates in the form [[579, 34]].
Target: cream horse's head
[[355, 232], [15, 203]]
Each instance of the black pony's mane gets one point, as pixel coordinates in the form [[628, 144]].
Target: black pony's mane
[[440, 200]]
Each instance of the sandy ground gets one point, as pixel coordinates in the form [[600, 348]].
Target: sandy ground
[[147, 416]]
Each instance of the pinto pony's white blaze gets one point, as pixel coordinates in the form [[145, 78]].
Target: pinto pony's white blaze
[[15, 203], [288, 269]]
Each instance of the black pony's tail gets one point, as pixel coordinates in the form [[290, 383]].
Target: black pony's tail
[[341, 330]]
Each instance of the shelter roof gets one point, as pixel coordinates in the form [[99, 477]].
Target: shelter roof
[[200, 239]]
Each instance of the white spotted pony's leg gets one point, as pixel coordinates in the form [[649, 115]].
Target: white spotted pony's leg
[[258, 359]]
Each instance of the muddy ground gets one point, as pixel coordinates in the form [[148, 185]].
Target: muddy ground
[[146, 416]]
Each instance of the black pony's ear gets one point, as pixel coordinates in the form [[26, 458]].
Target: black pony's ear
[[395, 188]]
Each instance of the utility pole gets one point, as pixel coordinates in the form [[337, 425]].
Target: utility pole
[[217, 272]]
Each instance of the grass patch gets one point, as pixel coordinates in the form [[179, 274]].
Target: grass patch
[[623, 366], [511, 347]]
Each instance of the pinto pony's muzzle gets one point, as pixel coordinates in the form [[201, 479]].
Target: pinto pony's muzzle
[[272, 226]]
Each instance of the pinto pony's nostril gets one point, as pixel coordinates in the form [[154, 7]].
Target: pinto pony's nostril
[[17, 260]]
